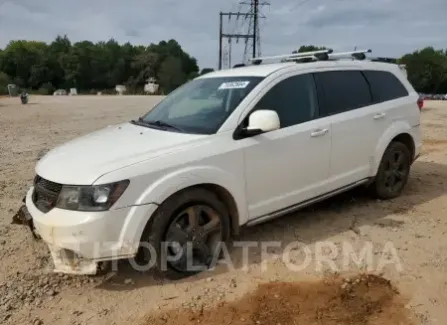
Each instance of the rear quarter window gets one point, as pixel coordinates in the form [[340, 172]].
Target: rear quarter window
[[385, 86]]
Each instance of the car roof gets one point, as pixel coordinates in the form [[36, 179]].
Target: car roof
[[264, 70]]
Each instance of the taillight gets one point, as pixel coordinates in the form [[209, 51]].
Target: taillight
[[420, 103]]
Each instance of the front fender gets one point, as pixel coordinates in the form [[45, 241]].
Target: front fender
[[168, 184], [394, 130]]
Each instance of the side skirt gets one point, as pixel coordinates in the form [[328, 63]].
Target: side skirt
[[296, 207]]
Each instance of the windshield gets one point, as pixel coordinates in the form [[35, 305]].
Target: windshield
[[200, 106]]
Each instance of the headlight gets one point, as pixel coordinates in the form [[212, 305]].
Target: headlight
[[90, 198]]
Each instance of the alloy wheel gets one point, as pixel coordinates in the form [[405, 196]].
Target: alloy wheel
[[193, 238], [396, 171]]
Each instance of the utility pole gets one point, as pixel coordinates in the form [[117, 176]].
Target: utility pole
[[229, 51], [255, 25], [251, 36], [230, 36], [254, 29], [220, 39]]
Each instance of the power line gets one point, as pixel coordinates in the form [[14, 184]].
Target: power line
[[250, 23], [254, 29], [252, 36], [230, 36]]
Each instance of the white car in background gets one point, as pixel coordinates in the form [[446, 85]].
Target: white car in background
[[231, 148], [60, 92]]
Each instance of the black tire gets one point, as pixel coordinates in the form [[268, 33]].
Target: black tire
[[393, 172], [166, 221]]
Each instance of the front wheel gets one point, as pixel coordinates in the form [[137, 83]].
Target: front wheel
[[393, 172], [186, 233]]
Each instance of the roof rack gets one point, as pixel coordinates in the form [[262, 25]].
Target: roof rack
[[292, 56], [322, 55], [384, 59]]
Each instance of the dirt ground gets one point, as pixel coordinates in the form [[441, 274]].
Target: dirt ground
[[407, 238], [365, 299]]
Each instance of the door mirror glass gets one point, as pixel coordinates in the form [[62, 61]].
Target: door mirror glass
[[263, 121]]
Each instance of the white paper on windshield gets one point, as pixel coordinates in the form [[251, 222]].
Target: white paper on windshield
[[234, 85]]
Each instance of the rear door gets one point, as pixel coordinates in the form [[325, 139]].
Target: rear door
[[345, 97], [390, 96], [392, 102]]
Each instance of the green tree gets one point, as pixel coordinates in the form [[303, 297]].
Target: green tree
[[93, 66], [4, 81], [206, 70], [25, 62], [171, 74], [89, 66], [146, 64], [427, 70], [46, 89], [310, 48], [56, 51]]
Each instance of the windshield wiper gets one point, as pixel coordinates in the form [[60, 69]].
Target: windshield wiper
[[140, 122], [163, 124], [158, 124]]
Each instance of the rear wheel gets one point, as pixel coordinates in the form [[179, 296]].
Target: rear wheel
[[393, 172], [186, 233]]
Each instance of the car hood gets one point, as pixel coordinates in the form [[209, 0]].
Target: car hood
[[84, 159]]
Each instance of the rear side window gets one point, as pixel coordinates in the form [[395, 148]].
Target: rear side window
[[342, 91], [385, 86]]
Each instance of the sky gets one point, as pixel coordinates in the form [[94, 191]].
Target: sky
[[388, 27]]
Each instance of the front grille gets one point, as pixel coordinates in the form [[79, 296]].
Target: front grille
[[45, 194]]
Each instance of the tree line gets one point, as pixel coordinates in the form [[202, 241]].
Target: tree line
[[91, 67]]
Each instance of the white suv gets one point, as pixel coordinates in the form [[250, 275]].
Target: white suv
[[229, 149]]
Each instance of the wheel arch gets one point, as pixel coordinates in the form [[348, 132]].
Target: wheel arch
[[222, 194], [228, 188], [407, 140], [398, 132], [225, 196]]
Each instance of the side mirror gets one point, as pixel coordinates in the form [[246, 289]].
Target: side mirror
[[262, 121]]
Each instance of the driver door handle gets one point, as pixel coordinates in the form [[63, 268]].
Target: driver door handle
[[379, 116], [319, 132]]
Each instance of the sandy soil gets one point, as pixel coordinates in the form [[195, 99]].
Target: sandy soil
[[409, 232], [365, 299]]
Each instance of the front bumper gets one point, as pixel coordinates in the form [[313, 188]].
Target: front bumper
[[24, 217], [78, 241]]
